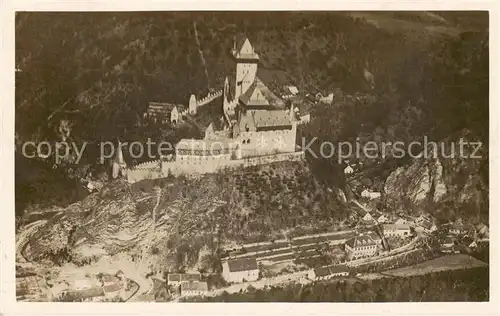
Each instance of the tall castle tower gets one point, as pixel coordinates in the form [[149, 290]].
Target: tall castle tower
[[246, 66]]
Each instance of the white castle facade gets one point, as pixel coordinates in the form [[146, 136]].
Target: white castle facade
[[256, 128]]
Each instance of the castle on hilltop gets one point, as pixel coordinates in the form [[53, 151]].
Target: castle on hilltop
[[256, 126]]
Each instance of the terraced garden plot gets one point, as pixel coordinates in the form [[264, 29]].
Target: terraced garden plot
[[273, 253], [272, 246], [306, 253], [266, 253], [282, 258], [307, 247], [313, 262], [284, 251], [322, 239]]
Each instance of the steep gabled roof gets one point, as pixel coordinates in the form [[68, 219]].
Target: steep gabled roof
[[271, 118], [259, 94], [361, 241], [244, 264]]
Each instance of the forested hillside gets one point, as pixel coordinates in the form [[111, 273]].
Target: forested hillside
[[97, 71]]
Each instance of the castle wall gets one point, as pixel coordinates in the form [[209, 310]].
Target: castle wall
[[262, 160], [268, 142], [218, 135], [198, 167], [209, 98], [146, 170]]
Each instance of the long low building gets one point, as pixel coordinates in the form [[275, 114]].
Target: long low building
[[240, 270], [397, 230], [328, 272], [179, 278], [194, 288]]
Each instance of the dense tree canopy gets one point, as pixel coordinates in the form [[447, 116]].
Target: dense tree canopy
[[97, 71]]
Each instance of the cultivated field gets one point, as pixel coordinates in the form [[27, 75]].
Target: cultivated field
[[449, 262]]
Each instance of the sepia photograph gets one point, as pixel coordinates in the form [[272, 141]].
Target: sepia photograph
[[252, 156]]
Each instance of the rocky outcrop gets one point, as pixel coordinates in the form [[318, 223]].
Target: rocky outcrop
[[137, 220], [435, 183]]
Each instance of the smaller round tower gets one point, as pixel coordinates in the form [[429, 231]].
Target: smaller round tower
[[192, 105]]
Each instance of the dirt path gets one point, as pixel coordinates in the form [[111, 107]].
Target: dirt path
[[23, 237]]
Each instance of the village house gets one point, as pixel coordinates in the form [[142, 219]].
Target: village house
[[304, 119], [240, 270], [112, 290], [401, 221], [422, 219], [380, 217], [162, 112], [112, 284], [370, 194], [397, 230], [425, 223], [194, 288], [348, 170], [108, 279], [121, 277], [177, 279], [460, 229], [365, 216], [362, 246], [482, 231], [292, 89], [447, 244], [327, 272]]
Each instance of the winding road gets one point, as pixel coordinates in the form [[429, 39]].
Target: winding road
[[23, 237]]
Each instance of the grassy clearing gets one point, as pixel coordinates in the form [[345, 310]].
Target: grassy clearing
[[449, 262]]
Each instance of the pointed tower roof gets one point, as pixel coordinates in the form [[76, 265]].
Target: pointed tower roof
[[210, 128], [244, 50]]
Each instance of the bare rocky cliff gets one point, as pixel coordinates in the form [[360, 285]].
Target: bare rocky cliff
[[179, 223], [122, 218], [448, 187]]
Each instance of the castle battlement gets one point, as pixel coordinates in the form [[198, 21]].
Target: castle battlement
[[154, 164], [209, 97], [263, 132]]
